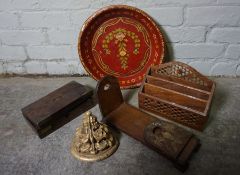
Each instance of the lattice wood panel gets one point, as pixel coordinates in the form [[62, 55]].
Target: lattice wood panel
[[177, 92]]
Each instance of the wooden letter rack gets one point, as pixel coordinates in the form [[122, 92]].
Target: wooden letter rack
[[167, 139], [177, 92]]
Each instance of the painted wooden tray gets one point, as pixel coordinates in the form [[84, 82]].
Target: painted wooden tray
[[122, 41]]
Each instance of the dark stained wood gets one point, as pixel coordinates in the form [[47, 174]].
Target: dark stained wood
[[192, 145], [161, 136], [130, 120], [177, 92], [110, 93], [58, 107]]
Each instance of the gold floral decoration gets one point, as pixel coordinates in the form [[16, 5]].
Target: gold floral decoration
[[119, 36], [93, 140]]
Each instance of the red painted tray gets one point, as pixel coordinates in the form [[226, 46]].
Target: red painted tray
[[122, 41]]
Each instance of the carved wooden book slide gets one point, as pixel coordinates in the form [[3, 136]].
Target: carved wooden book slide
[[177, 92], [58, 108], [174, 142]]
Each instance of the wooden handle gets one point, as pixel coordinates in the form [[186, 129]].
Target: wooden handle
[[109, 95], [161, 136]]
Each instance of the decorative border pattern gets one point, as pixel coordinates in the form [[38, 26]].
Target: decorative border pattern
[[119, 10]]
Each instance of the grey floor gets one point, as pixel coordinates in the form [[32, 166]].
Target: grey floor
[[22, 152]]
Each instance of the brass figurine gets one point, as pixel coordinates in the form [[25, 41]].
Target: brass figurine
[[93, 140]]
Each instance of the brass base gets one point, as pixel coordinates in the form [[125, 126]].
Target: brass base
[[93, 140], [94, 157]]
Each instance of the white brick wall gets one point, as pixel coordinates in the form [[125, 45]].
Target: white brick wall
[[8, 20], [202, 50], [51, 52], [45, 19], [35, 67], [225, 35], [213, 16], [233, 52], [14, 67], [40, 36], [10, 53], [166, 16], [22, 37]]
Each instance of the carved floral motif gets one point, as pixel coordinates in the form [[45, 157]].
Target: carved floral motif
[[93, 140]]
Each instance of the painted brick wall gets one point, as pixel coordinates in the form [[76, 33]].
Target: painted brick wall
[[40, 36]]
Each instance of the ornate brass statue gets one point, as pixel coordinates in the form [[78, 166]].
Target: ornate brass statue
[[93, 140]]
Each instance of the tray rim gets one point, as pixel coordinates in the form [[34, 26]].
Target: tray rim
[[120, 6]]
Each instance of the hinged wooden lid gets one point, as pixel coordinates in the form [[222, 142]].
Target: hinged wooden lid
[[56, 104]]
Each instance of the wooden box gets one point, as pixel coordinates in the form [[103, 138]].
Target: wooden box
[[168, 139], [177, 92], [58, 108]]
